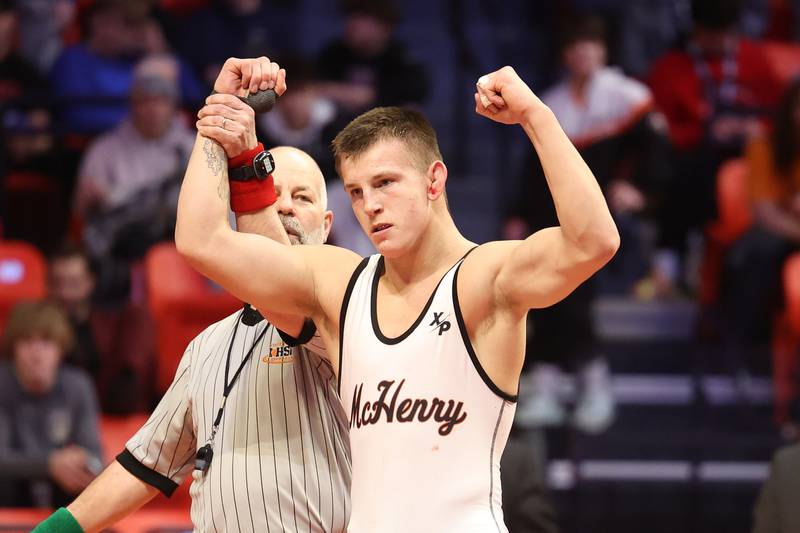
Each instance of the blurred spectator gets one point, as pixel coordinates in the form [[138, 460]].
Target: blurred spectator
[[49, 442], [606, 115], [42, 25], [776, 510], [751, 286], [36, 176], [116, 346], [129, 178], [19, 80], [303, 118], [367, 66], [715, 92], [231, 28], [648, 30], [92, 79]]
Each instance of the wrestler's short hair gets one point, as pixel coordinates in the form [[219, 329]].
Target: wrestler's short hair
[[383, 123]]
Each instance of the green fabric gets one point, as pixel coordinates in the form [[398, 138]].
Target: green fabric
[[61, 521]]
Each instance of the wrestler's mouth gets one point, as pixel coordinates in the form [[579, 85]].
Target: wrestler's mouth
[[378, 228]]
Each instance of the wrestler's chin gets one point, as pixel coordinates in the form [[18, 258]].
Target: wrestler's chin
[[389, 248]]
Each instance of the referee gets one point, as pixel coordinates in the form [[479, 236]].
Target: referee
[[253, 413]]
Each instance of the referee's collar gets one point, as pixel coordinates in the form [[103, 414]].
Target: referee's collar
[[250, 316]]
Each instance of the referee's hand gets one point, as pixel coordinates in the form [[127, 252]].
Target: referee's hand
[[228, 121], [244, 76]]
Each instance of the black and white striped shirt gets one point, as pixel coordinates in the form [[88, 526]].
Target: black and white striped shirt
[[281, 454]]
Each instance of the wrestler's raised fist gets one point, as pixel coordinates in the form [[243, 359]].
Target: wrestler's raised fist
[[243, 76], [503, 97]]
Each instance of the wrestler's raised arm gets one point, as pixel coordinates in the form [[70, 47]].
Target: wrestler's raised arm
[[544, 268], [303, 280]]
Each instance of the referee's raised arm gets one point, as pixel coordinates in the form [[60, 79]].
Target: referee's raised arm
[[272, 276]]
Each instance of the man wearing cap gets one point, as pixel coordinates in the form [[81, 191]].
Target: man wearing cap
[[127, 175]]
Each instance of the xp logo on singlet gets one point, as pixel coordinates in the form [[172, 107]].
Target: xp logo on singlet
[[448, 413], [279, 354], [440, 323]]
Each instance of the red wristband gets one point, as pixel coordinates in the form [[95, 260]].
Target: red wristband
[[252, 195], [246, 157]]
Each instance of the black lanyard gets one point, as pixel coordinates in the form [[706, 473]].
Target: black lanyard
[[205, 454]]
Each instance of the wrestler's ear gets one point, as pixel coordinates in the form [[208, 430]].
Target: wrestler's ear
[[436, 179]]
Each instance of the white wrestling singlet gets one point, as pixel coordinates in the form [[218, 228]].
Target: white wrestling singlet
[[427, 425]]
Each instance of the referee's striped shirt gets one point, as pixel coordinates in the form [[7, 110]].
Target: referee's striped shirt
[[281, 454]]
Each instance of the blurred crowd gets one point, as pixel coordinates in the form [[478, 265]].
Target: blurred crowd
[[97, 99]]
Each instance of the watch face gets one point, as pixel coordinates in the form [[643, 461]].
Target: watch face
[[264, 164]]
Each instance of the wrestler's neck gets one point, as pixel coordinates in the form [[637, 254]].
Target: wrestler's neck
[[438, 248]]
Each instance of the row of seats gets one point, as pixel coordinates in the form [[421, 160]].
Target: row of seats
[[733, 219], [181, 301]]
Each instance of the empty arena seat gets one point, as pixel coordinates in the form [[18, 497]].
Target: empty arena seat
[[182, 302], [786, 342], [23, 272], [734, 216]]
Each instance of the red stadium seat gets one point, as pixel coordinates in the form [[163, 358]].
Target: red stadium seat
[[182, 302], [734, 216], [23, 272], [115, 432], [784, 58], [786, 342]]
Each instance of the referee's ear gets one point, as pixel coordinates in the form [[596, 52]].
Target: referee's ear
[[327, 222]]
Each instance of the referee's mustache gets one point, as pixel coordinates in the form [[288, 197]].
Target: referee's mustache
[[293, 227]]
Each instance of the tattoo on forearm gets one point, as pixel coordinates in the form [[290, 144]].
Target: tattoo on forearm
[[215, 159]]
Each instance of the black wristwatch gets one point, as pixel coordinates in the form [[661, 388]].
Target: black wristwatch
[[263, 165]]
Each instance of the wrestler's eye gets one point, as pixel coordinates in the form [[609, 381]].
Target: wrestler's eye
[[355, 194], [384, 182]]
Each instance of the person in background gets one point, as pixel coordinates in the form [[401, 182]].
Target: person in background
[[607, 116], [367, 66], [19, 79], [49, 441], [303, 118], [128, 180], [35, 176], [92, 79], [238, 28], [727, 89], [42, 27], [115, 346], [751, 280]]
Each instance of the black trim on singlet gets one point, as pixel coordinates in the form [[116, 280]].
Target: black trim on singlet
[[305, 335], [373, 307], [470, 350], [343, 313], [491, 465], [155, 479]]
